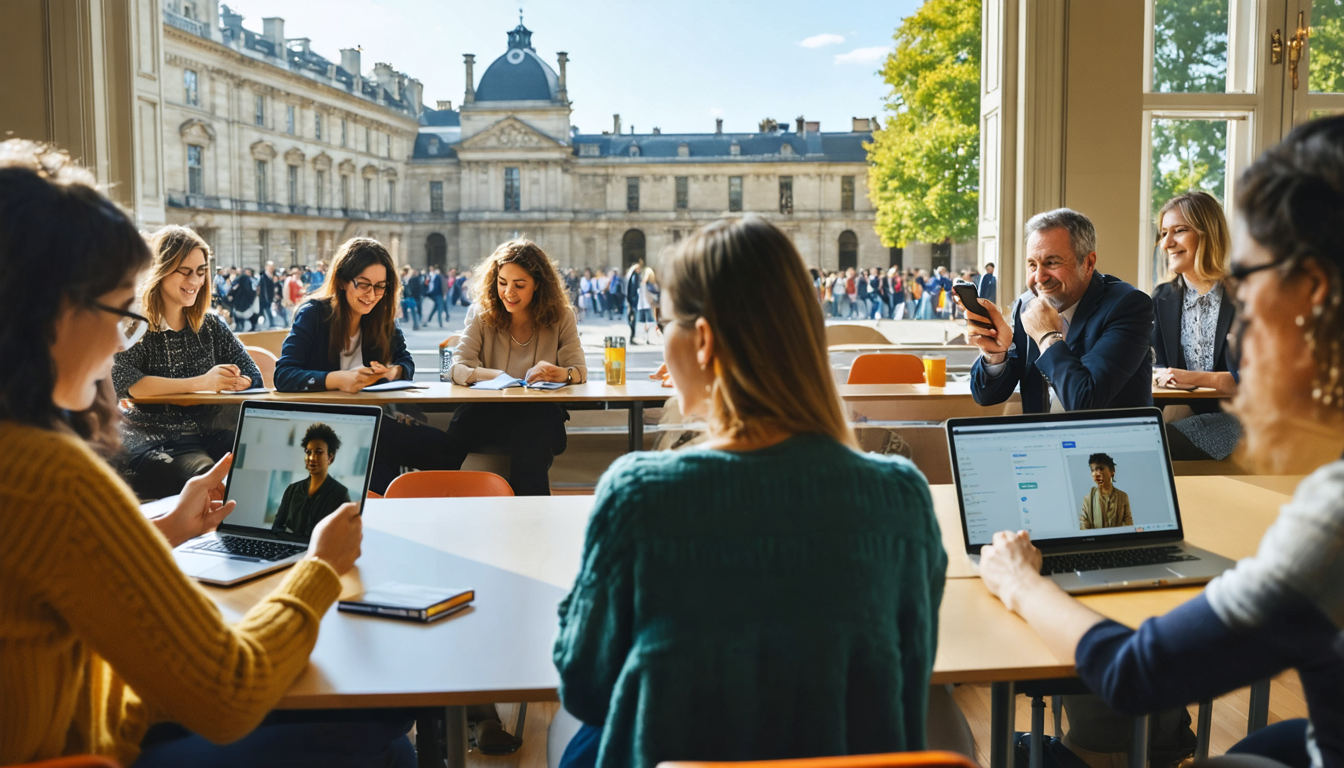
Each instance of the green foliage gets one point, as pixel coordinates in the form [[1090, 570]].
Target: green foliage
[[924, 170], [1189, 56], [1327, 47]]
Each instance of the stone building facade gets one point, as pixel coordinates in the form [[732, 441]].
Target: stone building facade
[[274, 152]]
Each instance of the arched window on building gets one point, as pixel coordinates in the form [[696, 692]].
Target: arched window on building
[[942, 255], [632, 248], [436, 251], [849, 250]]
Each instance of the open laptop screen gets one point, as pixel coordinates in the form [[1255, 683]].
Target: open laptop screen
[[295, 465], [1053, 477]]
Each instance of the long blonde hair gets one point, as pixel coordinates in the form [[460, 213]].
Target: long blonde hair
[[745, 278], [171, 245], [1203, 213]]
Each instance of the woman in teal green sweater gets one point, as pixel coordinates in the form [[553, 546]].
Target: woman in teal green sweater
[[774, 592]]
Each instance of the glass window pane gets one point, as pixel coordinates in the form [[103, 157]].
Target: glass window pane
[[1186, 155], [1190, 46], [1326, 47]]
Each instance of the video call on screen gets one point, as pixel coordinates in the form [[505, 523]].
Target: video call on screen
[[284, 484], [1038, 479]]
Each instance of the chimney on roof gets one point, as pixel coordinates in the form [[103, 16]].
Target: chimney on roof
[[616, 124], [445, 105], [274, 30], [350, 60], [382, 72], [860, 125], [812, 126], [470, 96], [718, 125], [801, 128], [415, 93], [657, 131], [563, 93]]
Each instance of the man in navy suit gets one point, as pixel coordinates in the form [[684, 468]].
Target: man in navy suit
[[1078, 339]]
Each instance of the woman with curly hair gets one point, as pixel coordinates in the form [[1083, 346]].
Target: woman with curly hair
[[521, 324]]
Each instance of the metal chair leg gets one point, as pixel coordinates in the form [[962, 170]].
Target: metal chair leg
[[1057, 708], [1138, 745], [1037, 731], [1202, 728], [522, 720], [1258, 716]]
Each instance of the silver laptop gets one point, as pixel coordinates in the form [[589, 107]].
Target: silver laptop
[[1093, 488], [293, 464]]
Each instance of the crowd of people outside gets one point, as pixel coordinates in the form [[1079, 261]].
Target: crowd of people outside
[[871, 294]]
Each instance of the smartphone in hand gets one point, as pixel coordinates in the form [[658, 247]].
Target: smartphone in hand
[[970, 299]]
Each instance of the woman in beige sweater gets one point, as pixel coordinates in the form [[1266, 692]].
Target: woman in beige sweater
[[521, 323], [101, 635]]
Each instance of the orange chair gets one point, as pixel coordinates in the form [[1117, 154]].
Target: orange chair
[[883, 368], [444, 483], [373, 495], [73, 761], [266, 362], [891, 760]]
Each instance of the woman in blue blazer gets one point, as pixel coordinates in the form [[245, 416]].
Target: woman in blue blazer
[[1193, 314], [346, 338]]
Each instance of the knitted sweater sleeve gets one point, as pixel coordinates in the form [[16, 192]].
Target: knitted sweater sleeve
[[111, 576], [597, 616]]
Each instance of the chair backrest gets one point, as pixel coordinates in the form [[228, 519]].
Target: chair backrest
[[271, 341], [444, 483], [886, 368], [930, 759], [266, 361], [73, 761], [842, 333]]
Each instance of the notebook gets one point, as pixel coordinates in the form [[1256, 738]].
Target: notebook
[[398, 600], [1094, 489], [270, 481], [505, 381]]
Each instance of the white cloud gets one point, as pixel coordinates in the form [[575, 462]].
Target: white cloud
[[822, 40], [863, 55]]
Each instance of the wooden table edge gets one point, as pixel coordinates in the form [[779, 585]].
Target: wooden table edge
[[397, 700]]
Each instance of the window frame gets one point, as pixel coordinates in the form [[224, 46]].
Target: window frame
[[319, 185], [682, 200], [436, 197], [291, 119], [513, 189], [735, 195], [632, 194], [847, 193], [294, 182], [191, 88], [261, 175], [259, 110], [786, 195], [196, 172]]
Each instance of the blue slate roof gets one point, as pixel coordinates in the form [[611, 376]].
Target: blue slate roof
[[436, 143], [519, 75], [441, 117], [714, 147]]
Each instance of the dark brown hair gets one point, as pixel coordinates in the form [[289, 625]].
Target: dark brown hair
[[51, 212], [353, 257], [170, 246], [1291, 198], [549, 299], [747, 280]]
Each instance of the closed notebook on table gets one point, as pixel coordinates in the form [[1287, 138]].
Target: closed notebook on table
[[412, 602]]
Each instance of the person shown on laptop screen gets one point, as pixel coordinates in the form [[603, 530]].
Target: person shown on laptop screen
[[318, 495], [1104, 506]]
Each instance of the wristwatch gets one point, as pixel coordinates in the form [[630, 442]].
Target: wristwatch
[[569, 375]]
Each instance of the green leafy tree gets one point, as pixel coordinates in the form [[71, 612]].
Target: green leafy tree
[[924, 162], [1327, 47], [1189, 56]]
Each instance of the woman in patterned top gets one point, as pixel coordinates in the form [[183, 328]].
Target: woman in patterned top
[[187, 349], [1192, 315]]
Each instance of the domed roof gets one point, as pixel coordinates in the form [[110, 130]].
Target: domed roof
[[519, 75]]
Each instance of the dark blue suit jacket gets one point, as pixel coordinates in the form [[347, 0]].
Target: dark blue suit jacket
[[304, 363], [1104, 362]]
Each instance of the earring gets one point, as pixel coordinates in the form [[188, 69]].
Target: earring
[[1301, 320]]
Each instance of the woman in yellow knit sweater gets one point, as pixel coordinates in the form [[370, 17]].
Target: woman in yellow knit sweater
[[101, 635]]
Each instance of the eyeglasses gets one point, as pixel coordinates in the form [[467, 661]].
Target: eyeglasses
[[1236, 276], [363, 286], [132, 325]]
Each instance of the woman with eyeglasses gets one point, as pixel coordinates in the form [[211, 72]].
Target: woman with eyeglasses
[[185, 348], [106, 647], [1284, 607], [1192, 314], [346, 338]]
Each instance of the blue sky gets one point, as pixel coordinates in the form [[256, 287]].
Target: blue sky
[[675, 65]]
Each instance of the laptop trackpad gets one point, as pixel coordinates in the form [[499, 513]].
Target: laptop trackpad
[[1138, 576]]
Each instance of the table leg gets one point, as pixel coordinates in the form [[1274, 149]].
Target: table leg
[[456, 736], [1037, 729], [428, 746], [1138, 745], [1001, 724], [1259, 710], [1202, 729], [636, 426]]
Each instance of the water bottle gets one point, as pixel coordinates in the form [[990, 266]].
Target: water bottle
[[445, 361]]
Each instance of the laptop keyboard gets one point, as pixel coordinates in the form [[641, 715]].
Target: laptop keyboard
[[260, 549], [1115, 558]]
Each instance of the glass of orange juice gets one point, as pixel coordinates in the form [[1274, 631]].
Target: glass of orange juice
[[614, 360], [935, 370]]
